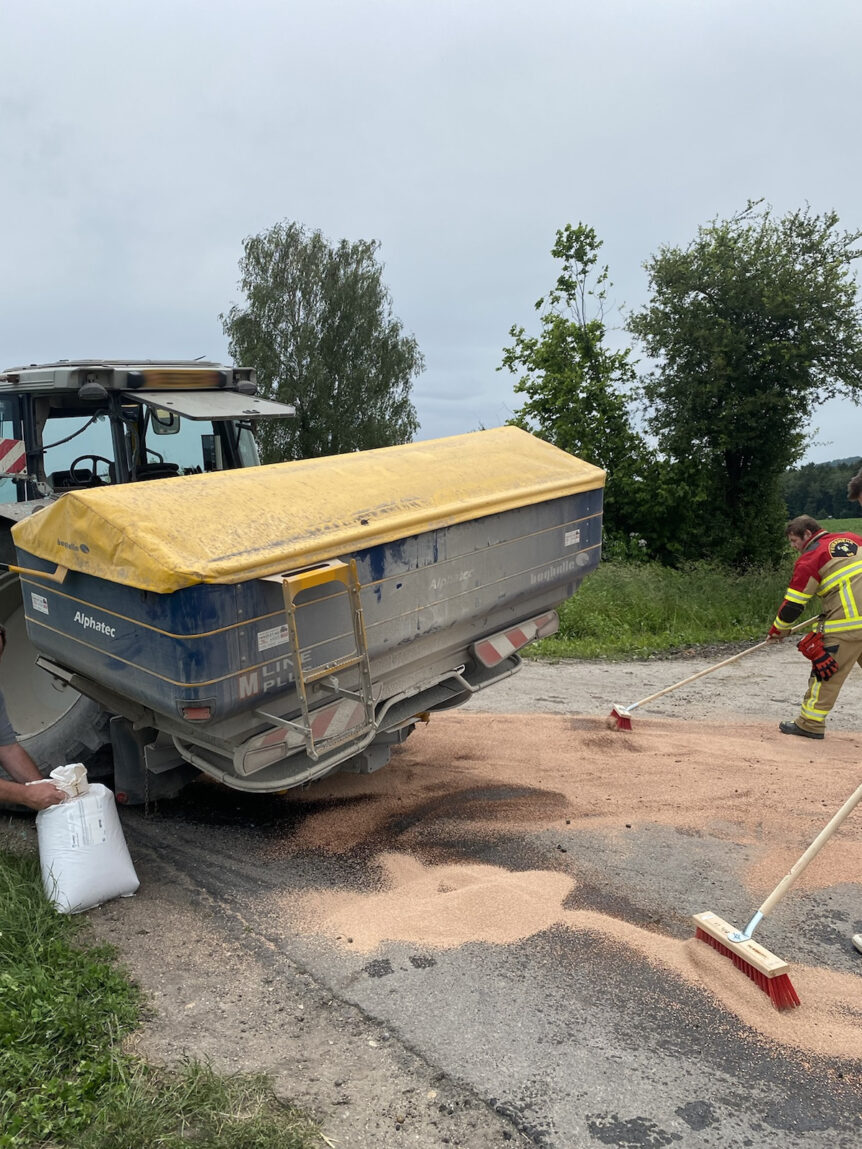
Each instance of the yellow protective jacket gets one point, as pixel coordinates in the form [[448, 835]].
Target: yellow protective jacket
[[830, 568]]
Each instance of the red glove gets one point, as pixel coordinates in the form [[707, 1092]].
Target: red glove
[[823, 665], [774, 632]]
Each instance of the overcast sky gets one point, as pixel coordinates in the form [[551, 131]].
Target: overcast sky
[[141, 143]]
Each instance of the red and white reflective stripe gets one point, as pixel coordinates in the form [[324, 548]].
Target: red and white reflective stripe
[[332, 720], [13, 459], [272, 738], [493, 650], [328, 722], [496, 647]]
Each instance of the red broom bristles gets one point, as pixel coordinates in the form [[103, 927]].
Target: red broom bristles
[[619, 720], [780, 989]]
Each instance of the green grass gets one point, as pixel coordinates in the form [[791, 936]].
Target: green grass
[[854, 525], [632, 610], [65, 1079]]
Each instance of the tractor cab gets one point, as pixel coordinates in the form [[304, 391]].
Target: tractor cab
[[80, 424]]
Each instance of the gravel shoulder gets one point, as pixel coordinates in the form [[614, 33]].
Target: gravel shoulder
[[765, 685]]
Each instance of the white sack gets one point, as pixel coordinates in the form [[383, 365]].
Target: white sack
[[82, 852], [72, 779]]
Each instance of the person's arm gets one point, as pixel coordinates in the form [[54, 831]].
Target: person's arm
[[22, 769], [803, 586]]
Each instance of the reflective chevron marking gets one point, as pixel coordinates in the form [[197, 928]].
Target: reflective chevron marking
[[492, 650]]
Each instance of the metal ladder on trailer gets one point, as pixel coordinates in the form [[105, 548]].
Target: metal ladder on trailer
[[362, 725]]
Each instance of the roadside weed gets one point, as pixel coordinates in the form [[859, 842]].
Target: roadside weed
[[65, 1079], [190, 1104], [63, 1012]]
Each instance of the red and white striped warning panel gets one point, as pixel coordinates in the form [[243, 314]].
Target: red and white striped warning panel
[[496, 647], [13, 459], [335, 719], [343, 718]]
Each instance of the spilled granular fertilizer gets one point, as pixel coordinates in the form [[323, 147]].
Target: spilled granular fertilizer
[[442, 906], [471, 778], [451, 905]]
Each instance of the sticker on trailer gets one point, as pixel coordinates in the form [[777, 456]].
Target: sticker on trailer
[[267, 639], [571, 538], [40, 603]]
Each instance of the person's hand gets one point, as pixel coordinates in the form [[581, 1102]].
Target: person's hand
[[775, 635], [41, 795]]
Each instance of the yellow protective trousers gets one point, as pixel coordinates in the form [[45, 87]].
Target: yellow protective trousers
[[821, 696]]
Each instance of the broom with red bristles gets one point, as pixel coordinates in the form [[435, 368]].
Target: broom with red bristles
[[765, 969], [620, 717]]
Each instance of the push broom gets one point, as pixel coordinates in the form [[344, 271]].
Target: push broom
[[620, 717], [765, 969]]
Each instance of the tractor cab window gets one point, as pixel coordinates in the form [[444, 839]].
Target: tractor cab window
[[77, 449], [160, 443], [76, 446], [149, 443]]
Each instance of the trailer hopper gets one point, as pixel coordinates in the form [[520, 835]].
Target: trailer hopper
[[270, 625]]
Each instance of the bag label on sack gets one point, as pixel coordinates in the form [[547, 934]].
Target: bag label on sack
[[86, 828]]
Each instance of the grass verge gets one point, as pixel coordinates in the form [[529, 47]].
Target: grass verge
[[834, 525], [633, 610], [65, 1078]]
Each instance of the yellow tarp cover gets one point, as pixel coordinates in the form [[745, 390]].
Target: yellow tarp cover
[[231, 526]]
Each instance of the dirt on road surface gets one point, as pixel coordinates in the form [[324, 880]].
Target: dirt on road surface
[[522, 815]]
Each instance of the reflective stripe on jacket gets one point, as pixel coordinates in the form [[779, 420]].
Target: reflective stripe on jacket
[[830, 567]]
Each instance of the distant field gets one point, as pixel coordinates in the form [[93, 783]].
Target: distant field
[[854, 524]]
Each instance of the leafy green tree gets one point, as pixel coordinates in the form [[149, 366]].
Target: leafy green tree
[[576, 389], [317, 324], [751, 326]]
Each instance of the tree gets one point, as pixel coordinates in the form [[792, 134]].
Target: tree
[[576, 388], [318, 326], [752, 326], [820, 490]]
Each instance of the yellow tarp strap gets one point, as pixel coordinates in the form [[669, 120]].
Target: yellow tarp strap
[[231, 526]]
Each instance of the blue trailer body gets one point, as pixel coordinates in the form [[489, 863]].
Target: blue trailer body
[[271, 624], [228, 646]]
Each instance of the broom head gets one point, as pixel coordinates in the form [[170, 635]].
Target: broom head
[[619, 719], [765, 969]]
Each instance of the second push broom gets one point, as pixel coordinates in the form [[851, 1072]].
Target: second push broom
[[764, 968]]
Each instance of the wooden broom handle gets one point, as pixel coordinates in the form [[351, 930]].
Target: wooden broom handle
[[700, 674], [812, 851], [718, 666]]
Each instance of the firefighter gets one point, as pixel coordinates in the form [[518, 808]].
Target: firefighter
[[829, 566]]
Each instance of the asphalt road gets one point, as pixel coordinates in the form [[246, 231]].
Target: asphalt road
[[568, 1038]]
